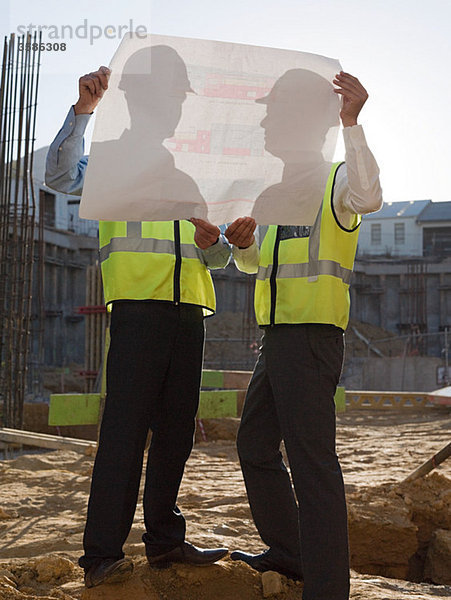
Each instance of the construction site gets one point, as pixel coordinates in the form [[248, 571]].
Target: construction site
[[393, 405]]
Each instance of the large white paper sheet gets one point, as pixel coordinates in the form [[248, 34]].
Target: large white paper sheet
[[214, 130]]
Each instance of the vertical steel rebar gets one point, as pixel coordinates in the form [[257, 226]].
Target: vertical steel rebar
[[18, 103]]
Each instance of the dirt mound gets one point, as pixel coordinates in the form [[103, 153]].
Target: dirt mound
[[438, 558], [392, 526], [42, 577], [222, 581], [44, 499]]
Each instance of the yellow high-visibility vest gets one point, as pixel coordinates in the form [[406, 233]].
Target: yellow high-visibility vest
[[306, 279], [154, 260]]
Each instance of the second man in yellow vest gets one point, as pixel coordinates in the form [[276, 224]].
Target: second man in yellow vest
[[302, 303]]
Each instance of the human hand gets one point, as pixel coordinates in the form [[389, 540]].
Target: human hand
[[354, 96], [91, 89], [206, 234], [241, 232]]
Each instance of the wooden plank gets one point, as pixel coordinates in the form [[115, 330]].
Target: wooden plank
[[241, 397], [42, 440], [430, 464], [237, 380], [74, 409]]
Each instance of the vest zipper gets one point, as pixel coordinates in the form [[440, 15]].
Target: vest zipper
[[272, 278], [178, 262]]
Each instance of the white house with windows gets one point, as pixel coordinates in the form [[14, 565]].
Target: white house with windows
[[395, 230]]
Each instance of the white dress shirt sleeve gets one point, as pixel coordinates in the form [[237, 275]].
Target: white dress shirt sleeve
[[357, 187]]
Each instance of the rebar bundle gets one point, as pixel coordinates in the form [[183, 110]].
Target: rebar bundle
[[18, 102]]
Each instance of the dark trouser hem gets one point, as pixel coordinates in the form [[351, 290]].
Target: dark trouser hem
[[86, 562], [282, 558], [154, 548]]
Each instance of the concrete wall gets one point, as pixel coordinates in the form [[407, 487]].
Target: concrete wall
[[412, 374], [380, 295]]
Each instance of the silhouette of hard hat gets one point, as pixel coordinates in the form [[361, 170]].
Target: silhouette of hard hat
[[296, 84], [162, 64]]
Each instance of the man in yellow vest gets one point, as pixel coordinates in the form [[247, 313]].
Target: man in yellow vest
[[158, 288], [302, 303]]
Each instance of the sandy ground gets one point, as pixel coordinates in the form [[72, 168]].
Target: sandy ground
[[43, 501]]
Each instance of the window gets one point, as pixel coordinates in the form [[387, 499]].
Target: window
[[47, 206], [376, 234], [437, 241], [400, 234]]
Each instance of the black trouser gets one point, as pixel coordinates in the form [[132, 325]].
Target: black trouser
[[153, 380], [291, 398]]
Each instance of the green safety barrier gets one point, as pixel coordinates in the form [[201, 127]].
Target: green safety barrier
[[340, 399], [212, 379], [83, 409], [74, 409], [217, 404]]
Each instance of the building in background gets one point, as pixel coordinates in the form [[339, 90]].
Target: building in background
[[393, 231], [402, 282], [65, 246], [435, 222], [407, 229]]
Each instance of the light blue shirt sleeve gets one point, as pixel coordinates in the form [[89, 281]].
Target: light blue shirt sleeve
[[66, 167], [66, 163]]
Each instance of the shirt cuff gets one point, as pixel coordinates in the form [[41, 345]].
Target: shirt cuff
[[78, 123], [355, 136], [218, 255], [247, 259], [249, 251], [74, 125]]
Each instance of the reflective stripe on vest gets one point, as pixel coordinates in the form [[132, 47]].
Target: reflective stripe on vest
[[154, 261], [320, 267], [126, 244], [315, 288]]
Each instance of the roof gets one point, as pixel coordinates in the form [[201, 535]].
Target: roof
[[391, 210], [436, 211]]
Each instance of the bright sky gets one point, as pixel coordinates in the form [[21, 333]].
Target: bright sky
[[399, 49]]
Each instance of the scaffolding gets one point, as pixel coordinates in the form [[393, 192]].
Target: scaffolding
[[18, 102], [414, 308]]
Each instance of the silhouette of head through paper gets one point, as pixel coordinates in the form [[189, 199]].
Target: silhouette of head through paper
[[155, 82], [300, 109]]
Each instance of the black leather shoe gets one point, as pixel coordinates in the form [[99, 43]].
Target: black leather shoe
[[108, 570], [262, 562], [187, 553]]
